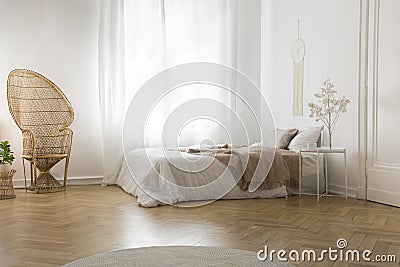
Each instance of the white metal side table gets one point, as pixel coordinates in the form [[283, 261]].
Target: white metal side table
[[319, 151]]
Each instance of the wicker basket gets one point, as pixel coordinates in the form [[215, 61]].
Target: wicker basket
[[6, 185]]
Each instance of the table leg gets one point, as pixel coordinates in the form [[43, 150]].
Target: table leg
[[326, 173], [300, 172], [317, 175], [345, 171]]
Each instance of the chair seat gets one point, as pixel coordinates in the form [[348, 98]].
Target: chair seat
[[45, 156]]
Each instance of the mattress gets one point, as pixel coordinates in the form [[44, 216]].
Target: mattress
[[142, 179]]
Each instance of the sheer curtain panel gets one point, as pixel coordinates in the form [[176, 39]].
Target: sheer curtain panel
[[112, 84]]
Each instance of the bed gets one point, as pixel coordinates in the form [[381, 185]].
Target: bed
[[142, 178]]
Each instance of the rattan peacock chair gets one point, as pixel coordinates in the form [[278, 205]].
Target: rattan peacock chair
[[43, 113]]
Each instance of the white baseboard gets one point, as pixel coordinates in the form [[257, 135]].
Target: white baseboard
[[97, 180], [362, 193], [385, 197], [341, 190], [91, 180]]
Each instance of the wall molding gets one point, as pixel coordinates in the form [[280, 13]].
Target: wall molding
[[341, 190], [363, 56], [79, 180]]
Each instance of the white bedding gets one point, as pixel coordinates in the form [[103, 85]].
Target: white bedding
[[160, 191]]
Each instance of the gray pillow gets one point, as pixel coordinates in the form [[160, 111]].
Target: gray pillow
[[283, 137]]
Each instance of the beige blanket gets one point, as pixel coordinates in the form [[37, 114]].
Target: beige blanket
[[291, 159], [284, 169]]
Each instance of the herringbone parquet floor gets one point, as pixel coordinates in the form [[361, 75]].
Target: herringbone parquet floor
[[53, 229]]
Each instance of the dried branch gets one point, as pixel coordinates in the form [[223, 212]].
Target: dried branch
[[328, 106]]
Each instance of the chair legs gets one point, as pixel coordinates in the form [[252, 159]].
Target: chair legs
[[66, 172], [35, 176], [42, 181], [23, 164]]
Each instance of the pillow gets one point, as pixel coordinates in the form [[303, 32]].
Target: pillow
[[304, 137], [283, 137], [257, 144]]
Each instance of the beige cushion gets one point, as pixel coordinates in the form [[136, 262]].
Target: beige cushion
[[306, 136], [283, 137]]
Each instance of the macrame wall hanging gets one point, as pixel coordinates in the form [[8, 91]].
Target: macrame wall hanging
[[298, 52]]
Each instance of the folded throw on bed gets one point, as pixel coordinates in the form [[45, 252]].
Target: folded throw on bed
[[284, 169], [291, 159]]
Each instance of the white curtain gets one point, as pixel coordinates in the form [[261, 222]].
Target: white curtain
[[162, 34], [140, 38], [111, 84]]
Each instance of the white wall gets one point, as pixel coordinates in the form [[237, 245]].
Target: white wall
[[329, 29], [58, 39]]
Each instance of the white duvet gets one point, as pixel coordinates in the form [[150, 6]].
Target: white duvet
[[153, 179]]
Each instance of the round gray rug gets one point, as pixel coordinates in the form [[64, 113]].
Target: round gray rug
[[176, 256]]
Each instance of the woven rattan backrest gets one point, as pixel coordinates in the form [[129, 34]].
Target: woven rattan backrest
[[38, 105]]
